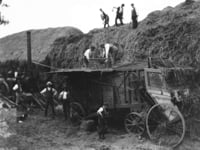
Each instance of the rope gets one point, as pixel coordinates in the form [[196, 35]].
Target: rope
[[47, 66]]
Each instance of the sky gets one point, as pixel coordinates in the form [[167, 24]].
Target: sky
[[82, 14]]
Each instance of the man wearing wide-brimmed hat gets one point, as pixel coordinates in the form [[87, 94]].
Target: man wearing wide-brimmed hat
[[49, 92]]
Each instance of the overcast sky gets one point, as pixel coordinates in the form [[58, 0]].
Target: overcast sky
[[82, 14]]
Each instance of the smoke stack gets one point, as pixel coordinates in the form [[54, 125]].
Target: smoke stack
[[29, 59]]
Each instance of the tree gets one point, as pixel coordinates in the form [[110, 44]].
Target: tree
[[2, 19]]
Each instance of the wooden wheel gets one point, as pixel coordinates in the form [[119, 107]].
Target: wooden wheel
[[134, 123], [77, 112], [193, 119], [165, 125], [4, 88]]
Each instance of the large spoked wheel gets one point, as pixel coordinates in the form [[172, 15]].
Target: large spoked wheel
[[165, 125], [134, 123], [77, 113], [4, 88]]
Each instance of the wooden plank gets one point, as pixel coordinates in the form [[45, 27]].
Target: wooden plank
[[38, 102], [108, 95], [7, 100], [40, 98], [118, 80], [96, 59], [128, 106]]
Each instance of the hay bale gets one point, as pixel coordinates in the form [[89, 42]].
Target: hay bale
[[59, 109], [88, 125]]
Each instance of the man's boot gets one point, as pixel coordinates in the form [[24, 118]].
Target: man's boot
[[103, 136], [99, 136], [45, 113]]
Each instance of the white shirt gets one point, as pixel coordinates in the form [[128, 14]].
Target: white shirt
[[121, 10], [87, 53], [15, 74], [16, 88], [63, 95], [106, 49], [100, 111], [48, 88]]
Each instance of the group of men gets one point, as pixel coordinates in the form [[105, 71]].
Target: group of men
[[22, 106], [49, 93], [108, 53], [119, 16]]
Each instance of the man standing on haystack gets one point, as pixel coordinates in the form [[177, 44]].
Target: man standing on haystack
[[119, 14], [105, 18], [134, 17]]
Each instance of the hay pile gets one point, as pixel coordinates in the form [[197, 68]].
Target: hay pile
[[171, 33]]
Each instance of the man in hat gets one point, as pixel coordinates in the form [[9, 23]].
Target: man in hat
[[49, 93], [88, 54], [17, 88], [101, 114], [105, 18], [119, 14], [109, 51], [134, 17], [64, 97]]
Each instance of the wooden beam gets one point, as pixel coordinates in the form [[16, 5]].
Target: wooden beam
[[125, 87]]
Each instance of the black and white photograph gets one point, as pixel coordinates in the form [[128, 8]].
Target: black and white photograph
[[100, 75]]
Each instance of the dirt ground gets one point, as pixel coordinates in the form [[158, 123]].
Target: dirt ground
[[41, 133]]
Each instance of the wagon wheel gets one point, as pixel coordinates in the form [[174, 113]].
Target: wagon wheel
[[165, 125], [134, 123], [193, 120], [4, 88], [77, 113]]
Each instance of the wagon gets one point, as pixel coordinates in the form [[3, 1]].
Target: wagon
[[137, 93]]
